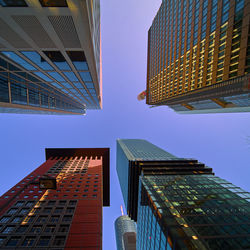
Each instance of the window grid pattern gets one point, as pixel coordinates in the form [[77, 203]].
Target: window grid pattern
[[197, 207], [202, 59], [76, 83], [44, 230], [28, 90]]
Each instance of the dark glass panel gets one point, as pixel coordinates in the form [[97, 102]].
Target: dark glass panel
[[18, 93], [34, 98], [13, 3], [4, 90], [53, 3]]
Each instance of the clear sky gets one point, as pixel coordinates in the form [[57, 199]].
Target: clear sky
[[221, 141]]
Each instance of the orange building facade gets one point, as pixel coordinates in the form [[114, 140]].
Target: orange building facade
[[68, 217]]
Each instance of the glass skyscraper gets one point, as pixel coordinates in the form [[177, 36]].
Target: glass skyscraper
[[180, 203], [199, 56], [50, 56]]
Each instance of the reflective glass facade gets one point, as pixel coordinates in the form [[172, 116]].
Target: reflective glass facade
[[192, 212], [129, 150], [52, 47], [36, 95], [195, 47], [124, 224]]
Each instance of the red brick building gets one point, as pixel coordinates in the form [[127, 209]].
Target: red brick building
[[68, 217]]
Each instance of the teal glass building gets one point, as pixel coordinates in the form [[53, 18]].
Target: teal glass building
[[180, 203]]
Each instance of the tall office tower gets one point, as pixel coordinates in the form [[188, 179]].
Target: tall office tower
[[50, 56], [66, 217], [178, 203], [199, 56], [125, 231]]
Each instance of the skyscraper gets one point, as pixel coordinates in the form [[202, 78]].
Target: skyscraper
[[125, 231], [178, 203], [50, 56], [65, 217], [198, 56]]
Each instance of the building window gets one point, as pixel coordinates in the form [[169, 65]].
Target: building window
[[4, 219], [58, 210], [13, 241], [19, 204], [49, 229], [30, 203], [67, 218], [43, 241], [16, 219], [47, 210], [62, 203], [42, 219], [28, 241], [2, 240], [59, 240], [70, 210], [22, 229], [79, 60], [13, 3], [8, 229], [24, 211], [63, 228], [54, 219], [51, 203], [58, 59], [12, 211], [53, 3], [72, 202], [36, 229]]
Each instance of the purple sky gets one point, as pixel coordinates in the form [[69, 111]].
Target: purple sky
[[218, 140]]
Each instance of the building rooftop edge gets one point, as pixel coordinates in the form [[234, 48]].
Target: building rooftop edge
[[104, 152]]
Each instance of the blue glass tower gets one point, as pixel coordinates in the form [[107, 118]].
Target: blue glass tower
[[178, 203]]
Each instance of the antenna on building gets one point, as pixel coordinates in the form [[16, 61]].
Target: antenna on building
[[122, 210]]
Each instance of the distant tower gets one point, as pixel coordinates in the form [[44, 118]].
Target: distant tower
[[125, 231]]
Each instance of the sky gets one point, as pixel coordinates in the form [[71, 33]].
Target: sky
[[221, 141]]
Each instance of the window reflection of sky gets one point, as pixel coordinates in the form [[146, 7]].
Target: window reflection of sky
[[89, 85], [56, 76], [56, 85], [86, 77], [62, 65], [44, 77], [67, 85], [37, 59], [81, 65], [78, 84], [13, 56], [71, 76]]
